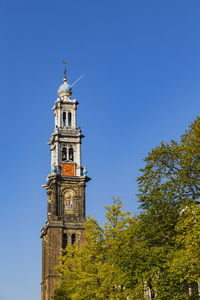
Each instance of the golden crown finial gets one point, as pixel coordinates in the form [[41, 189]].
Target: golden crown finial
[[65, 71]]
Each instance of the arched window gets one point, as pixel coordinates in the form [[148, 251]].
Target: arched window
[[64, 242], [71, 154], [69, 119], [64, 118], [73, 238], [64, 153]]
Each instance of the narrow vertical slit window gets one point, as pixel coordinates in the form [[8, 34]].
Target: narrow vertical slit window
[[71, 154], [65, 240], [64, 153], [64, 118], [69, 119], [73, 238]]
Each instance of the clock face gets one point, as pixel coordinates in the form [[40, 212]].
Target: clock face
[[68, 169]]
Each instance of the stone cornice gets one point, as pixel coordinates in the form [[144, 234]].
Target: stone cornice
[[61, 224], [64, 100], [70, 179]]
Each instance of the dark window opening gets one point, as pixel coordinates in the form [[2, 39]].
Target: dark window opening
[[71, 154], [69, 119], [64, 118], [64, 153], [73, 238], [64, 242]]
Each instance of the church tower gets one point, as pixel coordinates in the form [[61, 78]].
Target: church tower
[[65, 189]]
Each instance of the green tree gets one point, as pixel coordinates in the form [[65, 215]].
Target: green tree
[[98, 269], [170, 181]]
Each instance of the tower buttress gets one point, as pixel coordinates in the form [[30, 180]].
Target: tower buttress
[[65, 189]]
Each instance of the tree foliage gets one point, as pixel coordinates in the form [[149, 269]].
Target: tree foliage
[[157, 253], [169, 183], [97, 270]]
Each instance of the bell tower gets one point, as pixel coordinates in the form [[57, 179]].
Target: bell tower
[[65, 188]]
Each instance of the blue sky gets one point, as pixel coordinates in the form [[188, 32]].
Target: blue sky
[[141, 86]]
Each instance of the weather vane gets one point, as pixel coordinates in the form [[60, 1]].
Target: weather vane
[[65, 68], [65, 78]]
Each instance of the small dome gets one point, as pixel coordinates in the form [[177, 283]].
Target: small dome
[[65, 89]]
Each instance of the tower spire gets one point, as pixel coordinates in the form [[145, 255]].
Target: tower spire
[[65, 89]]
